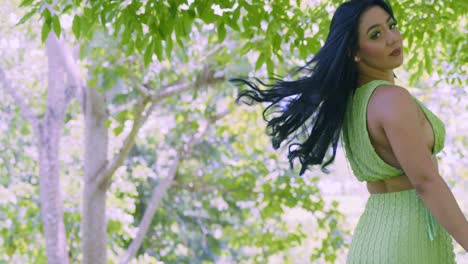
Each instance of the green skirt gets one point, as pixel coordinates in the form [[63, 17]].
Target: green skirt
[[398, 228]]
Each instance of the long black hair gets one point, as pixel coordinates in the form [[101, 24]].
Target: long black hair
[[313, 107]]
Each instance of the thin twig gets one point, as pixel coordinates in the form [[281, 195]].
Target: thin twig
[[25, 110], [103, 179], [205, 78], [162, 188]]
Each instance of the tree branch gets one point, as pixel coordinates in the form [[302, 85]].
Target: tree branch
[[193, 64], [162, 188], [25, 110], [103, 179], [72, 69], [206, 77], [186, 149], [153, 204], [211, 52]]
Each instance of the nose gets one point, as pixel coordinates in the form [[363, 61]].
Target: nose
[[392, 37]]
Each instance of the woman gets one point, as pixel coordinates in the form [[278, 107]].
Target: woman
[[390, 138]]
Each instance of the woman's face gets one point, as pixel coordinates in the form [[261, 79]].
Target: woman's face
[[378, 38]]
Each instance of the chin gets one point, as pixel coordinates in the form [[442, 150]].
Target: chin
[[395, 64], [399, 62]]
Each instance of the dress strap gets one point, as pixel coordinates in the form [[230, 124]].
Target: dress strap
[[430, 224]]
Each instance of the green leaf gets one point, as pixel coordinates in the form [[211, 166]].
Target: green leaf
[[158, 49], [232, 24], [109, 79], [26, 3], [67, 8], [428, 62], [120, 99], [56, 26], [235, 18], [122, 116], [102, 17], [412, 61], [303, 51], [76, 26], [126, 35], [118, 130], [260, 61], [194, 125], [179, 29], [276, 42], [148, 56], [270, 67], [45, 32], [187, 27], [92, 82], [27, 16], [24, 130], [221, 32], [167, 29], [246, 48], [410, 39], [88, 12], [47, 16], [168, 48], [140, 42]]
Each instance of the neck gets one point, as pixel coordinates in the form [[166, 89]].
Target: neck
[[367, 74]]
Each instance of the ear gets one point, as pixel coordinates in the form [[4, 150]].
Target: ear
[[357, 53], [351, 54]]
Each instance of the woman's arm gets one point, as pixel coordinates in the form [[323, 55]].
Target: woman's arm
[[399, 119], [438, 197]]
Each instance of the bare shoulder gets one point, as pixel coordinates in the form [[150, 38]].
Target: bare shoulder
[[392, 103], [397, 113], [392, 90]]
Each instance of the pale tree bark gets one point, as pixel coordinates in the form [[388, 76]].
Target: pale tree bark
[[93, 225], [49, 171], [99, 171], [47, 134], [94, 106], [160, 191]]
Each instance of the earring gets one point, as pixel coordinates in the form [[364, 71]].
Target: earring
[[356, 58]]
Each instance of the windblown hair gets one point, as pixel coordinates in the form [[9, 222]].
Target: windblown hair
[[313, 107]]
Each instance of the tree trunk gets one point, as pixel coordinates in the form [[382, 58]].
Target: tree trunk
[[49, 135], [93, 224]]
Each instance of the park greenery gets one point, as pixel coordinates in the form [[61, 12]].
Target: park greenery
[[121, 141]]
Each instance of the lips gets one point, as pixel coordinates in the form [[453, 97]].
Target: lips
[[396, 52]]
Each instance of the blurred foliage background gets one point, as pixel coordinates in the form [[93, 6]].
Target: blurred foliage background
[[231, 198]]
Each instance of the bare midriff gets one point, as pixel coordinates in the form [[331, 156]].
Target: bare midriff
[[394, 184]]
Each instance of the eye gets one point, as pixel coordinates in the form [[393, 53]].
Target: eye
[[393, 25], [375, 35]]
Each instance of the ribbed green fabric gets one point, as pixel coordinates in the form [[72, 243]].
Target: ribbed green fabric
[[395, 227], [365, 162], [392, 230]]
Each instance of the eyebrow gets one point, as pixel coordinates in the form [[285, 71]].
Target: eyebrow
[[376, 25]]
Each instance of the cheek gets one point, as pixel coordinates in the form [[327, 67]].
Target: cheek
[[371, 51]]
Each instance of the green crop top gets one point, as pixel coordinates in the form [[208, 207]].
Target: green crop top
[[365, 162]]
